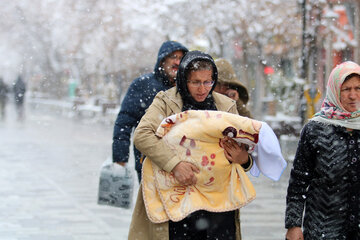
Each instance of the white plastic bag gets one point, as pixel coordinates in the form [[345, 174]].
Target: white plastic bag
[[116, 185]]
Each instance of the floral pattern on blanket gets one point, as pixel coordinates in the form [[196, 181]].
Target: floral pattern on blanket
[[221, 186]]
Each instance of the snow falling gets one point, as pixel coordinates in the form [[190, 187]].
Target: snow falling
[[77, 60]]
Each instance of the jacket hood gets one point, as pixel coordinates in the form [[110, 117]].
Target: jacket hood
[[226, 75], [167, 48]]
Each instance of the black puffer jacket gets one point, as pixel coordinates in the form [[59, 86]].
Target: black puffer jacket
[[325, 181]]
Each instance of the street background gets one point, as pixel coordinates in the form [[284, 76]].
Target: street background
[[49, 177], [77, 60], [89, 51]]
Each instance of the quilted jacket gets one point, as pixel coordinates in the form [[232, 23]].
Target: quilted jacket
[[324, 183]]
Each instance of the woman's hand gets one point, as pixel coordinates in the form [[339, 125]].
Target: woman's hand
[[234, 152], [294, 233], [184, 172]]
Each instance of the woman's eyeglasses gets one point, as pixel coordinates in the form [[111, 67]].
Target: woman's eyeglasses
[[206, 84]]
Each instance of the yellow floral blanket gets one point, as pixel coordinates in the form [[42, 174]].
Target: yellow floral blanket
[[194, 137]]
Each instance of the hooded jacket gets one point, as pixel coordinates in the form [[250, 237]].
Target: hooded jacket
[[226, 75], [138, 98]]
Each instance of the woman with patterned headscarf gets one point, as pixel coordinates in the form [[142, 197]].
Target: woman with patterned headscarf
[[325, 180]]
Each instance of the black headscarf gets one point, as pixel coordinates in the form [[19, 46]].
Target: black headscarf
[[189, 103]]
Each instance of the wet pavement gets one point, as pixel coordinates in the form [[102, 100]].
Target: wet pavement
[[263, 219], [49, 178]]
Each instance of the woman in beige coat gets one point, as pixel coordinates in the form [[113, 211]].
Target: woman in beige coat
[[195, 84]]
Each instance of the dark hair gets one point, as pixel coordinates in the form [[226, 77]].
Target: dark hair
[[350, 76]]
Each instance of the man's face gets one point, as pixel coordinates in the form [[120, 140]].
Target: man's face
[[171, 64]]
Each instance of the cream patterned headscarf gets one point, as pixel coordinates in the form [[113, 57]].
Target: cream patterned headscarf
[[332, 111]]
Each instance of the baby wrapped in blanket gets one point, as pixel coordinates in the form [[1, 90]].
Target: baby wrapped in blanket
[[221, 186]]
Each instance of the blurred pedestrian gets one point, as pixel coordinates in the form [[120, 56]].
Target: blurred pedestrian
[[3, 98], [19, 94], [323, 196], [195, 82], [139, 97], [229, 85]]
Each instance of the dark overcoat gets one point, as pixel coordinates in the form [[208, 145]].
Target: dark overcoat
[[324, 183]]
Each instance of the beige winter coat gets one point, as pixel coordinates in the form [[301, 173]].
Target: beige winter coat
[[164, 104]]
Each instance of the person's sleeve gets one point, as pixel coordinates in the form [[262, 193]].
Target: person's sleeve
[[129, 115], [247, 166], [148, 143], [300, 177]]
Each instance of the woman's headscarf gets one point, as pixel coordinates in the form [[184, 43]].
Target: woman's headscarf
[[332, 111], [181, 82]]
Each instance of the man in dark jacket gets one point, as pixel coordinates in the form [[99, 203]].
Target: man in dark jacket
[[139, 97]]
